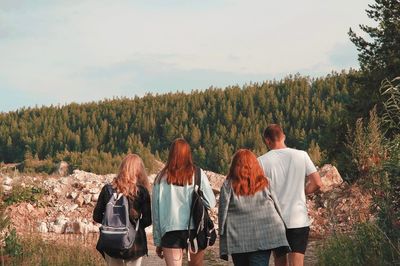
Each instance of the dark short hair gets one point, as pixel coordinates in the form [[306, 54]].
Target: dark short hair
[[273, 132]]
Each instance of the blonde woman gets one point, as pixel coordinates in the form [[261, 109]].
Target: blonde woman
[[133, 183]]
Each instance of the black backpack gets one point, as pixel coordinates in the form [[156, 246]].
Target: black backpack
[[204, 233], [117, 234]]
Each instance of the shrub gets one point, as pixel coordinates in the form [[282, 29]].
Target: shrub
[[13, 245], [316, 154], [369, 245], [367, 149], [21, 193]]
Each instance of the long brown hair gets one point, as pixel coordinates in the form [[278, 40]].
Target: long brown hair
[[246, 174], [131, 174], [179, 168]]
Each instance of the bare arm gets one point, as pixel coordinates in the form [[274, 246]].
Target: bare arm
[[313, 184]]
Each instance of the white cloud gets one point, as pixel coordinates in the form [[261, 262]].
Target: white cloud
[[64, 49]]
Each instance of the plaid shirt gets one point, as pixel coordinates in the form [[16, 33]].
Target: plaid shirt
[[249, 223]]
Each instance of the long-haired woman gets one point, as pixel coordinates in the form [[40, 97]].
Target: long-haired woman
[[171, 199], [250, 225], [133, 183]]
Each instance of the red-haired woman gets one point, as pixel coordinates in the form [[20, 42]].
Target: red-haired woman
[[133, 183], [171, 200], [250, 225]]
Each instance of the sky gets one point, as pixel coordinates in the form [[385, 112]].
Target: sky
[[58, 52]]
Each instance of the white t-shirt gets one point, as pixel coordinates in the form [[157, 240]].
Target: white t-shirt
[[287, 169]]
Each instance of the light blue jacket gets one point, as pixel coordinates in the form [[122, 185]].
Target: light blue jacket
[[171, 205]]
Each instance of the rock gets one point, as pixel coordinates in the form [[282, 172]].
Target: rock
[[61, 220], [69, 228], [330, 177], [62, 168], [79, 200], [94, 190], [56, 228], [64, 181], [43, 228], [57, 191], [216, 181], [73, 207], [87, 198], [7, 188], [30, 207], [7, 181], [95, 197], [72, 195]]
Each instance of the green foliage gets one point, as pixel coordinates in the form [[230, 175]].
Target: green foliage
[[389, 189], [35, 251], [13, 246], [379, 54], [21, 193], [390, 91], [369, 245], [216, 123], [375, 243], [316, 154], [34, 165], [4, 219], [367, 149]]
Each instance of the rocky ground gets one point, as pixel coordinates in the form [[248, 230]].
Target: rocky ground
[[68, 201]]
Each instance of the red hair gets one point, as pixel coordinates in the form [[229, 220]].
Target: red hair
[[246, 174], [179, 168]]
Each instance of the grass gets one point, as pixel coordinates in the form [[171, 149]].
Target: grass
[[36, 251], [369, 245]]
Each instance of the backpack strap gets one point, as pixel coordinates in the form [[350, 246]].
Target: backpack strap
[[197, 179], [196, 189], [113, 192]]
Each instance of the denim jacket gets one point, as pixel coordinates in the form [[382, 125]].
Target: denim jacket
[[171, 205]]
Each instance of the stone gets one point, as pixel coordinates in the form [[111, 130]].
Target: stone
[[87, 198], [73, 207], [56, 228], [62, 168], [64, 181], [43, 228], [57, 191], [61, 220], [95, 197], [79, 200], [330, 177], [69, 228], [7, 188], [30, 207], [73, 195], [7, 181], [94, 190]]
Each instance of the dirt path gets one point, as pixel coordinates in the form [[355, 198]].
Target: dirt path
[[212, 255]]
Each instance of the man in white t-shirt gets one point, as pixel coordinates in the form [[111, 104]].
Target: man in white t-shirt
[[292, 175]]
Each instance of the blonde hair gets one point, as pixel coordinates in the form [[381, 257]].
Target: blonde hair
[[131, 174]]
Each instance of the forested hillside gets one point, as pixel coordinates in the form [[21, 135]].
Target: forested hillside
[[216, 122]]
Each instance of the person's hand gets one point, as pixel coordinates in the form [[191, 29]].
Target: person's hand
[[159, 252]]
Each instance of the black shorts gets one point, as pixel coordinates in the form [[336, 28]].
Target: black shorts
[[298, 239], [175, 239]]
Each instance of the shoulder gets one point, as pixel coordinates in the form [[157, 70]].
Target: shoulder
[[264, 156], [297, 152], [106, 188], [142, 191]]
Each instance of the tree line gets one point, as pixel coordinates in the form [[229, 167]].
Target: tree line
[[216, 122]]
